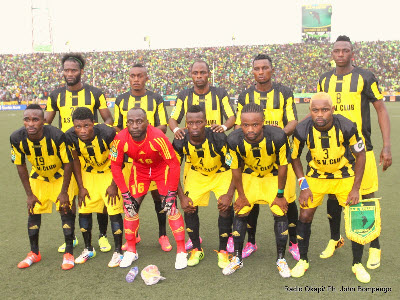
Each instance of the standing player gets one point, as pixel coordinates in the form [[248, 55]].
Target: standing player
[[154, 159], [65, 100], [44, 147], [280, 111], [352, 89], [90, 146], [153, 104], [331, 170], [206, 151], [213, 100], [259, 159]]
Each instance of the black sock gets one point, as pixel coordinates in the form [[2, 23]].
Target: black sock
[[225, 229], [252, 223], [102, 219], [34, 222], [357, 252], [86, 224], [334, 211], [193, 228], [375, 244], [304, 233], [117, 227], [293, 216], [281, 234], [162, 219], [68, 226], [238, 233]]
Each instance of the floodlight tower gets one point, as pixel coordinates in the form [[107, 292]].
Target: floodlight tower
[[42, 37]]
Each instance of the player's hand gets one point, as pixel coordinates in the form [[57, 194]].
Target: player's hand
[[304, 196], [131, 206], [168, 204], [385, 158], [180, 134], [217, 128], [63, 198], [281, 202], [30, 203], [224, 202], [354, 197], [112, 193], [83, 193], [240, 202], [187, 205]]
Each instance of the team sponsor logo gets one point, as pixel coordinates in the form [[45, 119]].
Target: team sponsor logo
[[13, 155], [228, 159]]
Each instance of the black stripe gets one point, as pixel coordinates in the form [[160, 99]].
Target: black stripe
[[354, 82], [202, 104], [37, 148], [150, 103], [263, 100], [57, 175], [101, 144], [200, 153], [337, 131], [251, 96], [75, 98], [126, 102], [255, 148], [35, 175], [190, 98], [89, 169], [311, 138], [90, 150], [326, 84], [49, 144], [270, 149], [274, 171], [242, 149], [329, 175], [324, 140], [345, 172], [88, 96], [214, 103], [62, 98], [210, 147], [276, 99], [26, 147], [137, 101], [339, 85]]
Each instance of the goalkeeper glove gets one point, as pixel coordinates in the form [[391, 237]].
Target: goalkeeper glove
[[169, 203], [131, 207]]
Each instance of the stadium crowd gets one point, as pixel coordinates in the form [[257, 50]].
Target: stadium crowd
[[32, 76]]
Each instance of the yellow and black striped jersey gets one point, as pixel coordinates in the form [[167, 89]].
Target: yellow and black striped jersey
[[259, 159], [151, 102], [93, 154], [278, 104], [66, 102], [207, 158], [215, 103], [47, 156], [351, 95], [329, 154]]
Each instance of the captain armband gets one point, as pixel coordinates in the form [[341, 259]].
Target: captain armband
[[303, 183], [359, 147]]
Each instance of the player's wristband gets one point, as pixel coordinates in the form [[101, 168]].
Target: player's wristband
[[279, 195], [175, 130], [281, 191], [224, 127], [303, 183]]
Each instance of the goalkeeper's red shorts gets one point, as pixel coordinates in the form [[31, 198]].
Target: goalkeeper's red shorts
[[139, 182]]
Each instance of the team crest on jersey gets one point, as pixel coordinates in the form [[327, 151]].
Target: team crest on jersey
[[12, 155], [359, 146], [114, 150], [228, 159]]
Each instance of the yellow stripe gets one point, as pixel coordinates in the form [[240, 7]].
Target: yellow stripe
[[164, 147]]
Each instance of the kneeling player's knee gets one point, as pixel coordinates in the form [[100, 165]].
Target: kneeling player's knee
[[34, 222]]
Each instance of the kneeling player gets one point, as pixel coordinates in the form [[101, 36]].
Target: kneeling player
[[154, 159], [260, 156], [206, 151], [44, 146], [91, 143], [331, 170]]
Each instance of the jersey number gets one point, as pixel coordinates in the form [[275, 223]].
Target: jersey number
[[338, 98], [148, 161], [326, 153], [39, 161], [140, 188]]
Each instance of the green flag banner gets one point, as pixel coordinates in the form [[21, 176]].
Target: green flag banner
[[363, 221]]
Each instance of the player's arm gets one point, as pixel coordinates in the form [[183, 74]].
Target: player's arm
[[384, 124], [117, 116], [51, 108], [290, 127], [289, 113], [49, 116], [176, 117], [83, 192], [161, 115], [228, 113], [105, 114], [358, 149], [112, 193], [24, 176], [117, 160]]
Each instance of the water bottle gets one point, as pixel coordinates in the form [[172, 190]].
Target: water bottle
[[130, 277]]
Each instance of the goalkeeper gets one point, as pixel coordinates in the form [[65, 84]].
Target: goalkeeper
[[154, 159], [332, 169]]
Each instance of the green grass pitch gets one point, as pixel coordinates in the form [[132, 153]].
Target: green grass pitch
[[258, 279]]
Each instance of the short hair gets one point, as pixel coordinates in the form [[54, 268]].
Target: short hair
[[252, 108], [82, 113], [35, 107], [321, 96], [202, 62], [76, 57], [344, 38], [262, 57], [196, 109], [138, 65], [139, 108]]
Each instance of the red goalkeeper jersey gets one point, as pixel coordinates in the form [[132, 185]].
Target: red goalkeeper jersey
[[150, 157]]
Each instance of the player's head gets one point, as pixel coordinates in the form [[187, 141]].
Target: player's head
[[136, 122], [196, 121], [200, 73], [321, 109], [138, 78], [342, 52], [83, 120], [252, 122], [262, 68], [34, 121], [72, 64]]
